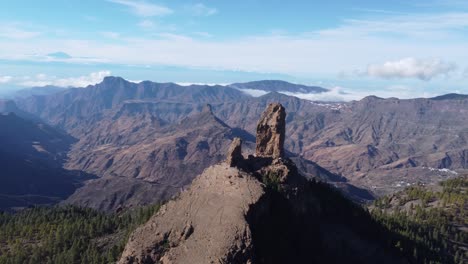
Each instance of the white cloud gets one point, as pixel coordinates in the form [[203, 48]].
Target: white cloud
[[200, 9], [199, 83], [335, 94], [465, 73], [202, 34], [13, 31], [411, 68], [254, 92], [81, 81], [341, 94], [144, 9], [5, 79], [350, 47]]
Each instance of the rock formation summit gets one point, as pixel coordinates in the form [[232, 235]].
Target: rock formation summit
[[247, 210], [207, 223], [271, 132]]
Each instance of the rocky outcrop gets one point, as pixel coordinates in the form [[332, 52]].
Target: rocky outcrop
[[205, 224], [256, 210], [271, 132], [234, 156], [208, 222]]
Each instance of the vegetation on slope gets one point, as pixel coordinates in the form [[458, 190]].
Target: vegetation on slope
[[429, 223], [425, 225], [66, 234]]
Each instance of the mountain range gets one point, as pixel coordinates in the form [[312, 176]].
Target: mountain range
[[146, 141]]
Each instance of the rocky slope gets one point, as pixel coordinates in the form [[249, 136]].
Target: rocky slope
[[374, 139], [143, 159], [255, 210], [145, 170]]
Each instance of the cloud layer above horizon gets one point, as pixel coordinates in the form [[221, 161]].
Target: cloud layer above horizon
[[420, 45]]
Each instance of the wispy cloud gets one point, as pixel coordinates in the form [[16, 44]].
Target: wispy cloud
[[411, 25], [411, 68], [52, 56], [200, 9], [5, 79], [152, 25], [379, 11], [144, 9], [13, 31], [351, 46], [80, 81]]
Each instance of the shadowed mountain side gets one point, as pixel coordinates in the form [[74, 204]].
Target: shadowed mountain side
[[31, 156], [9, 106], [33, 140], [451, 96]]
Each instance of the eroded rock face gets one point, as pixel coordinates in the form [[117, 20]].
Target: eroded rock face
[[205, 224], [234, 156], [271, 132]]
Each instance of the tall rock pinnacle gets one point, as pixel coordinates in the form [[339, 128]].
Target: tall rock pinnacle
[[234, 155], [271, 132]]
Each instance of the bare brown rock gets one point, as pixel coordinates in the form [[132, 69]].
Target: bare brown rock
[[271, 132], [205, 224], [234, 156]]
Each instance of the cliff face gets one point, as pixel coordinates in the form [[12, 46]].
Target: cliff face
[[259, 209]]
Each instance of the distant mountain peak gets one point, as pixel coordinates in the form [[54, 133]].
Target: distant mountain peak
[[110, 79], [59, 55], [451, 96]]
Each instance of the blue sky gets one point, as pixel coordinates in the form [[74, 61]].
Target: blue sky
[[388, 48]]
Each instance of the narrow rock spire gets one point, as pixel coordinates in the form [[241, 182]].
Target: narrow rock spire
[[207, 109], [271, 130], [234, 155]]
